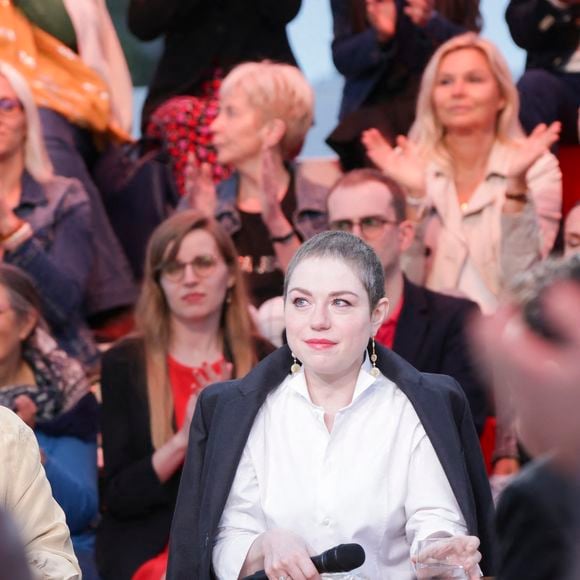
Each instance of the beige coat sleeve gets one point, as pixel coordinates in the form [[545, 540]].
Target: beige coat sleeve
[[26, 494]]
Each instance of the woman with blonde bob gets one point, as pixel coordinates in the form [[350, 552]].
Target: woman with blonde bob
[[194, 329], [487, 197], [45, 220], [267, 206]]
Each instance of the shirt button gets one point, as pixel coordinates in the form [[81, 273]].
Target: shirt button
[[326, 522]]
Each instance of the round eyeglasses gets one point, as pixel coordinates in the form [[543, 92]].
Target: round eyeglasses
[[202, 266], [9, 107], [371, 226]]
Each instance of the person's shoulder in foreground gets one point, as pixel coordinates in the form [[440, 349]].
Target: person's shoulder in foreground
[[543, 507], [27, 496]]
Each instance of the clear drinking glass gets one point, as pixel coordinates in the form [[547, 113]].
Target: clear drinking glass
[[435, 559]]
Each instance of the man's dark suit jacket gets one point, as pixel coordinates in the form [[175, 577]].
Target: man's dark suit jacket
[[538, 526], [224, 417], [431, 336]]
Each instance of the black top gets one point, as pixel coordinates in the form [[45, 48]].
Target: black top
[[538, 526], [258, 260], [204, 34], [137, 507]]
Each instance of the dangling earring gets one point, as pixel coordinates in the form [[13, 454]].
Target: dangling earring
[[375, 370], [229, 293], [295, 366]]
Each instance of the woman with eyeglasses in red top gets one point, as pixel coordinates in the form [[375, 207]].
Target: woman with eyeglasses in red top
[[194, 329]]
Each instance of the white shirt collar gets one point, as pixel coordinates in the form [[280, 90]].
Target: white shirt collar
[[297, 382]]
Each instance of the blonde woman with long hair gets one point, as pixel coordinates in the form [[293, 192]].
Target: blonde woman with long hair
[[488, 199], [194, 329]]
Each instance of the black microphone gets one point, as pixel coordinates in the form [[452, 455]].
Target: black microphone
[[342, 558]]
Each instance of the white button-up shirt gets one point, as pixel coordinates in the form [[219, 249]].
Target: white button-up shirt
[[375, 479]]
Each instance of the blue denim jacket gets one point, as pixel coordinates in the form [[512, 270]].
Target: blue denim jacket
[[58, 257]]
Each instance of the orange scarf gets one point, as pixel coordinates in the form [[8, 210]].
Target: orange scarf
[[57, 76]]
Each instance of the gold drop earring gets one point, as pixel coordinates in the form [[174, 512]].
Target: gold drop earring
[[375, 370], [295, 366]]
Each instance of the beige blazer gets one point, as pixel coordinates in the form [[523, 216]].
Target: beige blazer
[[25, 493], [498, 245]]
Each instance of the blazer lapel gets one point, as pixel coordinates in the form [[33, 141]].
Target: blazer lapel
[[233, 419], [412, 324]]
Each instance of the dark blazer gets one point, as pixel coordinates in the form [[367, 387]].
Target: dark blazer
[[202, 34], [222, 422], [137, 507], [431, 336], [548, 34], [538, 526]]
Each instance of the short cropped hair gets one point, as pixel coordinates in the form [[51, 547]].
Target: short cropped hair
[[360, 176], [277, 91], [346, 248], [36, 158]]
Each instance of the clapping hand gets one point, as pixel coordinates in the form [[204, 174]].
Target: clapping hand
[[199, 186], [402, 163], [204, 377], [382, 16], [531, 148]]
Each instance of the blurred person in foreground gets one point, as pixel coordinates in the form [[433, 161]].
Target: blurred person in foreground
[[351, 445], [532, 348], [12, 556], [26, 495]]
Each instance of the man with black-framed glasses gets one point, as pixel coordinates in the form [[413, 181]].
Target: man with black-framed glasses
[[426, 328]]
